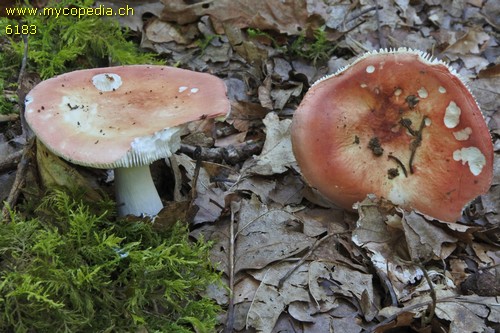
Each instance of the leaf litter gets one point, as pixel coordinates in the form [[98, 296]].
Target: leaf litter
[[291, 261]]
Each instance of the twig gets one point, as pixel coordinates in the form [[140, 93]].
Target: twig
[[432, 306], [11, 161], [230, 309], [21, 94], [381, 38], [416, 143], [388, 285], [363, 12], [398, 161], [8, 117], [19, 180], [230, 154], [407, 309], [307, 255]]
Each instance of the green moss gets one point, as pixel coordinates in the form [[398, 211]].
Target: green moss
[[64, 44], [317, 49], [73, 269]]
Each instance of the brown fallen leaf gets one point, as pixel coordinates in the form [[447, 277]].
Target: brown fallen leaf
[[265, 235], [270, 300], [291, 17], [134, 22], [425, 239], [386, 245], [209, 199], [276, 155], [484, 282], [57, 173], [330, 281]]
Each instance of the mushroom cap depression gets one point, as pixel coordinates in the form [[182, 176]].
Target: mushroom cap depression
[[397, 124], [121, 116]]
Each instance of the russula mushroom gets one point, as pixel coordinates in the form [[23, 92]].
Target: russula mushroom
[[398, 124], [123, 118]]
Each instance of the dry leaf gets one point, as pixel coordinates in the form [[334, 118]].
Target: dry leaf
[[55, 172], [158, 31], [270, 300], [264, 236], [386, 245], [209, 198], [329, 281], [292, 17], [276, 156], [134, 22], [424, 239]]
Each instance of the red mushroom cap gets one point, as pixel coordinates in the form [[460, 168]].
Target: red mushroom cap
[[121, 116], [397, 124]]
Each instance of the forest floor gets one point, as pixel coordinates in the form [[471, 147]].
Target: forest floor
[[290, 260]]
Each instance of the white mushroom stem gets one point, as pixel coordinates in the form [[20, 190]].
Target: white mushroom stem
[[136, 193]]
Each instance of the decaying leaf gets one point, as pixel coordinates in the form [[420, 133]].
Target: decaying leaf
[[270, 300], [466, 314], [329, 281], [158, 31], [276, 156], [398, 245], [55, 172], [209, 198], [140, 8], [423, 238], [265, 235], [290, 17]]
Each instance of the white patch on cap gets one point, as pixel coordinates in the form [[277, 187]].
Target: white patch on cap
[[194, 90], [398, 92], [370, 69], [428, 122], [107, 81], [463, 135], [397, 195], [28, 100], [182, 88], [422, 93], [79, 114], [452, 115], [473, 157], [442, 90], [363, 85]]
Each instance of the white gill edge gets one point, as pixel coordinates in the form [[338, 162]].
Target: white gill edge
[[143, 150]]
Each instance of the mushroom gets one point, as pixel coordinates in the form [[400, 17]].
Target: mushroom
[[398, 124], [123, 118]]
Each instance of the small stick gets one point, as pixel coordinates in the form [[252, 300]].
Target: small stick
[[21, 93], [432, 306], [8, 117], [398, 161], [11, 161], [230, 309], [19, 181], [416, 143], [381, 38], [197, 157]]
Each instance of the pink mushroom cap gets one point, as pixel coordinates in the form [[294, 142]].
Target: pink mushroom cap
[[398, 124], [120, 116]]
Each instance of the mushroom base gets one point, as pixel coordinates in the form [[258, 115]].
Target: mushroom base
[[136, 193]]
